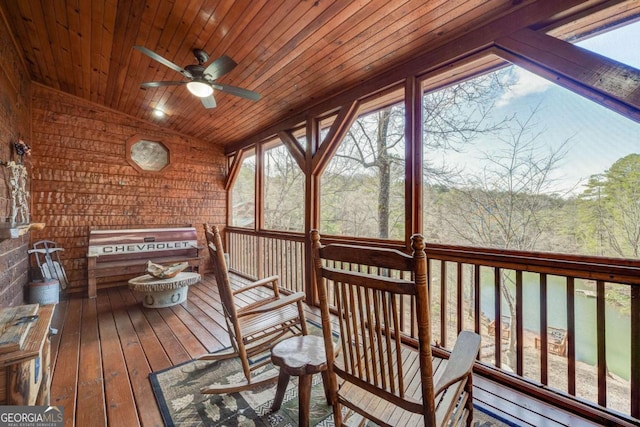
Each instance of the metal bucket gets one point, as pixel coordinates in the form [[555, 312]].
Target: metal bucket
[[44, 292]]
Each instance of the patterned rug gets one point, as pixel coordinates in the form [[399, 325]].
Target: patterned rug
[[178, 394], [177, 391]]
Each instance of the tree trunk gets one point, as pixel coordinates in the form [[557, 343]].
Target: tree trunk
[[384, 166]]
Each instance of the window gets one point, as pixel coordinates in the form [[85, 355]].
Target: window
[[146, 155], [283, 190], [243, 208], [513, 161], [362, 188]]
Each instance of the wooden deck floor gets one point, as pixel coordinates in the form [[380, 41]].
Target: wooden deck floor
[[106, 347]]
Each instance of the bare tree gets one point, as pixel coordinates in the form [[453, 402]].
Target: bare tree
[[376, 141], [507, 203], [455, 117], [283, 191], [374, 145], [243, 194]]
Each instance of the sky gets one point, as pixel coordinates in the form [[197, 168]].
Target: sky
[[595, 136]]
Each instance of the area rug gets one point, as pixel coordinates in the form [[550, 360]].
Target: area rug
[[177, 391], [178, 394]]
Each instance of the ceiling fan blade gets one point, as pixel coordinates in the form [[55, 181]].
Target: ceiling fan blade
[[237, 91], [219, 67], [208, 101], [151, 54], [160, 84]]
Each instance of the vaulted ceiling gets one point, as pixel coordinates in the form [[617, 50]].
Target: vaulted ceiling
[[295, 53]]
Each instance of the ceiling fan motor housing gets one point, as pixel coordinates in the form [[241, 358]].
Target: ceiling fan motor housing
[[201, 56], [195, 70]]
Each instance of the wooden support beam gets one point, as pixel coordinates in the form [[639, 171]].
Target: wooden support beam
[[259, 200], [234, 169], [293, 146], [413, 157], [329, 146], [311, 208], [603, 80]]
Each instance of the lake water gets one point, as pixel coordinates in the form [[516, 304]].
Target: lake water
[[618, 325]]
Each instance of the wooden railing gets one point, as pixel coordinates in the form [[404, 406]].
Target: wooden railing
[[268, 253], [552, 293], [509, 297]]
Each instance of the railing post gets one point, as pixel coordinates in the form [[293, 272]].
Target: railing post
[[460, 291], [635, 351], [601, 340], [571, 338], [497, 301], [476, 300], [519, 324], [544, 344], [444, 303]]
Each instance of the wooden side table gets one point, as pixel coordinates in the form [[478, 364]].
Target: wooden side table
[[24, 372], [301, 356]]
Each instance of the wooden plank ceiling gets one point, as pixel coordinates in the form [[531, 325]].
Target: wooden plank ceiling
[[295, 53]]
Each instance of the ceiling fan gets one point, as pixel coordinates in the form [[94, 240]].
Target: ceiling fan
[[201, 79]]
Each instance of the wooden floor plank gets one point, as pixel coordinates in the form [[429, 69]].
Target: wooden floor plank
[[209, 302], [64, 381], [57, 325], [91, 407], [209, 318], [137, 365], [121, 407], [207, 339], [156, 356], [166, 336], [192, 345]]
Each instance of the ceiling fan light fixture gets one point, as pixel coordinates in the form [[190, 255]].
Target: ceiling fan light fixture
[[200, 89]]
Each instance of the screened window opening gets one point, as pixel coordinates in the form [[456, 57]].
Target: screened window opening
[[283, 191], [243, 209], [362, 190]]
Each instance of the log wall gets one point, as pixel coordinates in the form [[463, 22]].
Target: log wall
[[82, 179], [14, 123]]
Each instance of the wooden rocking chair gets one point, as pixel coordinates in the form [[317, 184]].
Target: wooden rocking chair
[[254, 328], [378, 294]]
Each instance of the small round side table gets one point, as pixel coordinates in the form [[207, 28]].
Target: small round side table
[[301, 356]]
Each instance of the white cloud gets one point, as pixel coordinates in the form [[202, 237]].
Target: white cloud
[[524, 83]]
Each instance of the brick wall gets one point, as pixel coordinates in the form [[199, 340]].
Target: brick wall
[[14, 123], [82, 180]]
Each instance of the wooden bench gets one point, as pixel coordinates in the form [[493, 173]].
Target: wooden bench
[[119, 254], [505, 330], [556, 341]]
